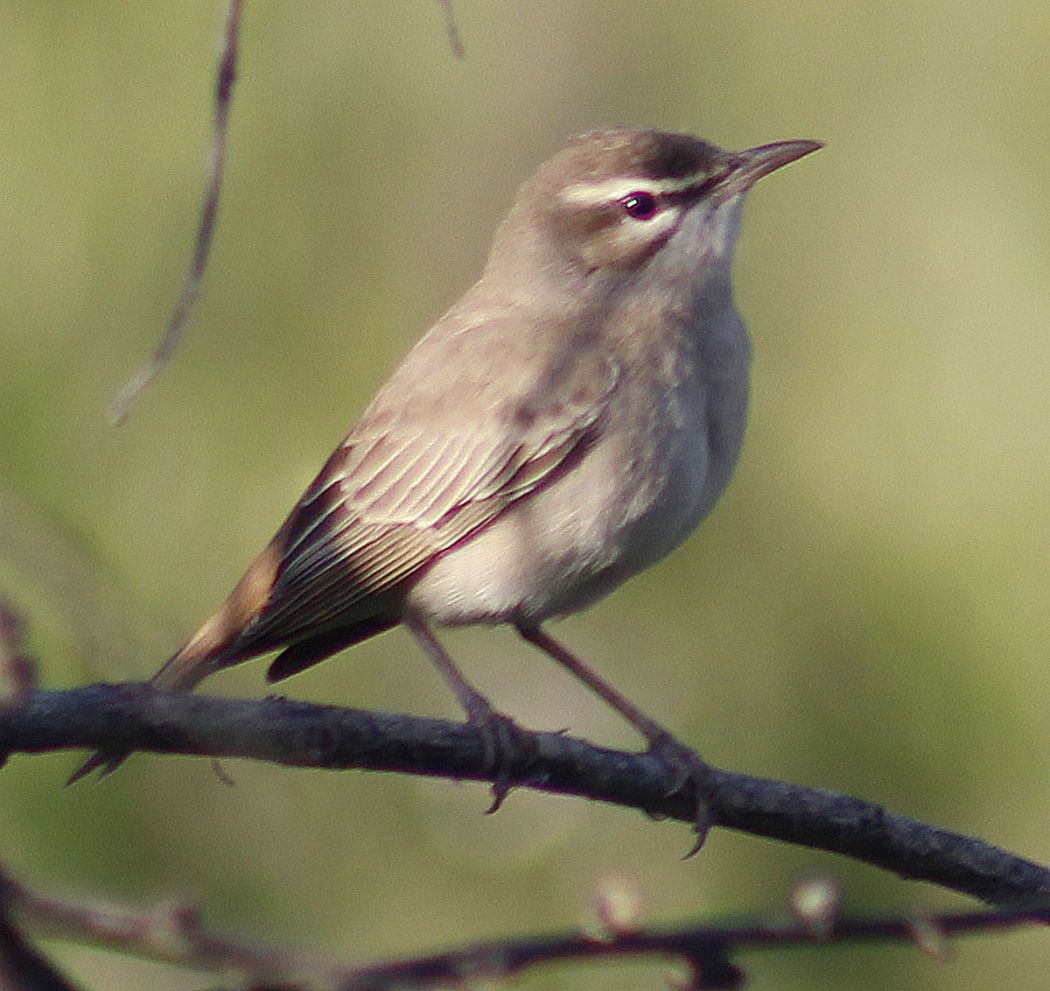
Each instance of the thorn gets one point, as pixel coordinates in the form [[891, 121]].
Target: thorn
[[93, 762], [105, 763]]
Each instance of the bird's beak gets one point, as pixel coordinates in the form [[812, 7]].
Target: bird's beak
[[745, 168]]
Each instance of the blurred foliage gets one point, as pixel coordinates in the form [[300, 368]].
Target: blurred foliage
[[865, 611]]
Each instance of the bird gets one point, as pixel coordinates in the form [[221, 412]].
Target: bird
[[566, 424]]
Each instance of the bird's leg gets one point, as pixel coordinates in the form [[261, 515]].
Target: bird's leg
[[498, 732], [686, 762]]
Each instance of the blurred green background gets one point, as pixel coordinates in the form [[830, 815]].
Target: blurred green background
[[865, 611]]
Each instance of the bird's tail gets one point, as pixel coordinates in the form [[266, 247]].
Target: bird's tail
[[181, 672], [219, 643]]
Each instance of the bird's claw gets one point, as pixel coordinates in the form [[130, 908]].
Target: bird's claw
[[500, 738], [688, 767]]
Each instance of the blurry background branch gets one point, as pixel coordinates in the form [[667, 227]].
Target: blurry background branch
[[452, 29], [133, 716], [194, 277], [191, 284], [175, 934], [22, 967]]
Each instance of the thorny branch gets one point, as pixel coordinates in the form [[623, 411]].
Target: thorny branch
[[136, 717]]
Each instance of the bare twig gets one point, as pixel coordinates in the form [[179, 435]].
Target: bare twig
[[172, 933], [193, 280], [17, 670], [177, 935], [130, 717], [452, 29], [191, 286]]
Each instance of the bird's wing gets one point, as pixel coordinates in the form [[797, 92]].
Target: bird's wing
[[417, 477]]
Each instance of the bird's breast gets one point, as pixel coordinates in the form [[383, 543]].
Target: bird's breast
[[660, 458]]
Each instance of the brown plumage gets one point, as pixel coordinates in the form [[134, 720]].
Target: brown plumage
[[566, 424]]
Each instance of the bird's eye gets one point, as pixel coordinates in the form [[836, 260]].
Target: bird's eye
[[640, 205]]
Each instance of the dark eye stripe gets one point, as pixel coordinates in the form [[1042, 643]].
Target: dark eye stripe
[[697, 190]]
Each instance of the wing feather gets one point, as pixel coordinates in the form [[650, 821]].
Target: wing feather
[[402, 489]]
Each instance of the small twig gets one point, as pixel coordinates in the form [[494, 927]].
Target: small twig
[[177, 935], [172, 933], [708, 950], [18, 674], [452, 29], [120, 718], [191, 286]]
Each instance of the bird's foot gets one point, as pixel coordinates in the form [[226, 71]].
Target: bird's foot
[[690, 771], [501, 739]]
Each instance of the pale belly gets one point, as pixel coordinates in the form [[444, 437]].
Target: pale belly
[[630, 501]]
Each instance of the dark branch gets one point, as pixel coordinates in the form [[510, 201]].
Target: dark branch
[[135, 717], [709, 951], [22, 968]]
